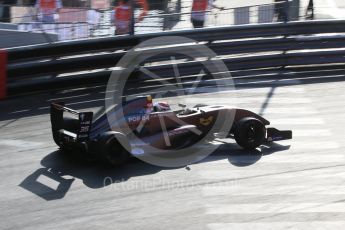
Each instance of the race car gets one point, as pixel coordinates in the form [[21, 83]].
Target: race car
[[110, 137]]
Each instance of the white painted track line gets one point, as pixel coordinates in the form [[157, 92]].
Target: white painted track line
[[263, 190], [319, 225], [276, 208]]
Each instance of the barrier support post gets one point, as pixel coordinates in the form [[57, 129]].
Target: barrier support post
[[3, 74]]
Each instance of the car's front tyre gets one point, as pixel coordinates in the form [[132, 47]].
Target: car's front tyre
[[250, 133]]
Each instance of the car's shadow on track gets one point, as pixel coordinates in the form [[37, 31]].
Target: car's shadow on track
[[64, 170], [242, 158]]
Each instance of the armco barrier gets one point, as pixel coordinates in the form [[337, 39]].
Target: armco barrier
[[205, 34], [272, 45], [224, 48], [3, 74]]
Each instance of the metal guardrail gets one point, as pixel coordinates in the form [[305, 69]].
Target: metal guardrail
[[207, 34], [281, 44], [239, 47]]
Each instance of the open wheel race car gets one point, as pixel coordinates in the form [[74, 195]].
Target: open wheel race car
[[105, 139]]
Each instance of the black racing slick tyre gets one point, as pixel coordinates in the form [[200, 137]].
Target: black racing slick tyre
[[250, 133], [112, 149]]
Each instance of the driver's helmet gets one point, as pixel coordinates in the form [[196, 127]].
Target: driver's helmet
[[161, 107]]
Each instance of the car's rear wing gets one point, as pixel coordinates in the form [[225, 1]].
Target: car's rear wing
[[83, 128]]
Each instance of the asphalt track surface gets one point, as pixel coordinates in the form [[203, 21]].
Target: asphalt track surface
[[294, 184]]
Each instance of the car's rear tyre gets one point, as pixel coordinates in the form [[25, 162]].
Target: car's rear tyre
[[112, 151], [250, 133]]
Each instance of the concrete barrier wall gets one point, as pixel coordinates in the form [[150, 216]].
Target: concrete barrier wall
[[8, 26], [13, 38]]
